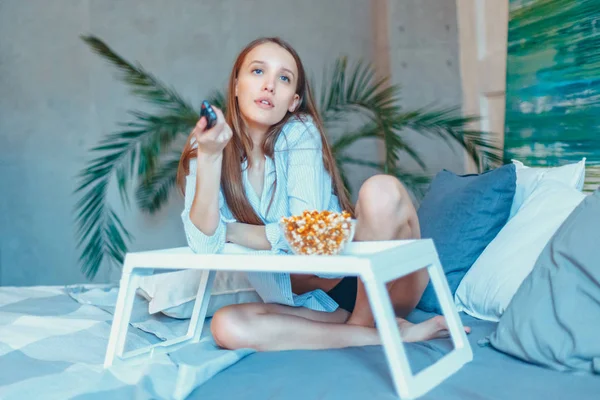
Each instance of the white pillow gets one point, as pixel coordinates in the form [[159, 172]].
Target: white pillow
[[572, 175], [489, 285], [174, 293]]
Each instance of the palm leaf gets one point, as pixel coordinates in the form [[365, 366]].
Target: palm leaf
[[159, 133], [366, 131], [371, 130], [354, 89], [152, 194], [449, 125], [101, 232], [141, 83]]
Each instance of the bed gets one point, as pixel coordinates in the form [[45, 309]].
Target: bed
[[53, 341]]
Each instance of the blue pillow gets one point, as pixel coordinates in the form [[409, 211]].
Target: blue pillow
[[463, 214]]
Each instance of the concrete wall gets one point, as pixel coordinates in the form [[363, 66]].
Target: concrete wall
[[57, 99], [424, 58]]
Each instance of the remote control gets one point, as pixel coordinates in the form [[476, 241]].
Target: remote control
[[207, 111]]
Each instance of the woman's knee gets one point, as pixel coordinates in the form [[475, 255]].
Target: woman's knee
[[230, 325], [382, 196]]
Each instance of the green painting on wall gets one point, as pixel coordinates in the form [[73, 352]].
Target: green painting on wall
[[553, 84]]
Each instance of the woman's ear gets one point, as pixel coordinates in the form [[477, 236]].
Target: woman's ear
[[295, 103], [236, 85]]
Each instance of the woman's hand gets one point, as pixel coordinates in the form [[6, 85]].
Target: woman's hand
[[212, 141]]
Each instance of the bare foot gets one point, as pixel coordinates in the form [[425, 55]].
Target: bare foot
[[433, 328]]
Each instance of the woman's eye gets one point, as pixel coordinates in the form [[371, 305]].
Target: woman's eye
[[285, 78], [257, 71]]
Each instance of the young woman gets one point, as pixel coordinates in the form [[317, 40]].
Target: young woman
[[268, 157]]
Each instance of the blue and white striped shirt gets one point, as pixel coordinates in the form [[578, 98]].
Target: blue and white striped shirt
[[302, 183]]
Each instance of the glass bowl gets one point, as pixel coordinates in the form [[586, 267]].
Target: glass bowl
[[323, 239]]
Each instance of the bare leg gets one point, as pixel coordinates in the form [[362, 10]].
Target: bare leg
[[385, 212], [269, 327], [266, 327]]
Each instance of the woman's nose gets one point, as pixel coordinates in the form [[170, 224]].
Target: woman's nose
[[269, 85]]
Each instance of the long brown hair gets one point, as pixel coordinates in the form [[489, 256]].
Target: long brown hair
[[240, 145]]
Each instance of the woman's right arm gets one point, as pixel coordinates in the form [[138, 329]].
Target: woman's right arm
[[204, 224], [205, 210]]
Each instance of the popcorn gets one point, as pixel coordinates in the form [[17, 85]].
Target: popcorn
[[317, 233]]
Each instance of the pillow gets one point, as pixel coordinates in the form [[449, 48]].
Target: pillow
[[490, 284], [174, 293], [554, 318], [527, 179], [462, 214]]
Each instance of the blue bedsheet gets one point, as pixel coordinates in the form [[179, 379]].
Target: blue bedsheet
[[53, 341], [362, 373]]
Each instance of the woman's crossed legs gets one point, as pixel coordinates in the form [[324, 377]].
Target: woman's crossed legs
[[384, 211]]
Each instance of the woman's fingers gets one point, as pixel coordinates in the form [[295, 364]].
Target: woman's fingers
[[220, 116], [212, 140], [201, 124], [224, 133], [199, 128]]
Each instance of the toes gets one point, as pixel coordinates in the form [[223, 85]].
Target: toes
[[440, 321], [444, 333], [434, 328]]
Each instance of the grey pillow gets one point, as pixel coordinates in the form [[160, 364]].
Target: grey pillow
[[554, 318]]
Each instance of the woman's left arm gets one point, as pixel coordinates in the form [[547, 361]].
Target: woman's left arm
[[251, 236]]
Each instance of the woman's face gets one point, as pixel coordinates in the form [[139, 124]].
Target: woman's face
[[266, 85]]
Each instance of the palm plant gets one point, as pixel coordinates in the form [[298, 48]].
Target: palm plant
[[145, 149]]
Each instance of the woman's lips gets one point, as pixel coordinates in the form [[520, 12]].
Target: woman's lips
[[264, 103]]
